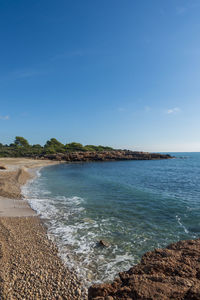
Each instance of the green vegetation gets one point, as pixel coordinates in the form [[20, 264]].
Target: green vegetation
[[22, 148]]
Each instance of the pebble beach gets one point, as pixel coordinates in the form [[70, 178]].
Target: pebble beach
[[30, 267]]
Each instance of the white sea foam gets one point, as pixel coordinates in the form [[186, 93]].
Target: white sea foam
[[77, 224], [75, 234], [181, 224]]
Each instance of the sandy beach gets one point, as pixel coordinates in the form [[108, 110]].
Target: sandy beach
[[30, 267]]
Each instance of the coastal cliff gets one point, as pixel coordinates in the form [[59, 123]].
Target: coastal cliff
[[114, 155], [170, 273]]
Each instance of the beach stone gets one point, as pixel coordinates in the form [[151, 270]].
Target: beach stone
[[78, 292], [89, 275]]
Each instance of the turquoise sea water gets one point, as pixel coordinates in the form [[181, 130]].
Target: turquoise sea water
[[135, 206]]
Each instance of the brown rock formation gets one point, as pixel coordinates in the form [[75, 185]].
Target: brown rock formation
[[106, 156], [171, 273]]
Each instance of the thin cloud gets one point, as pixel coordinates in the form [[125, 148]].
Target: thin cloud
[[171, 111], [70, 54], [20, 74], [181, 10], [121, 109], [5, 118], [24, 73], [147, 108], [75, 54]]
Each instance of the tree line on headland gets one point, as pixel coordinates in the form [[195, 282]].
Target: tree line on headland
[[72, 152], [21, 148]]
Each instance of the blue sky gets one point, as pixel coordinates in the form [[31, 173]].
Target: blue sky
[[111, 72]]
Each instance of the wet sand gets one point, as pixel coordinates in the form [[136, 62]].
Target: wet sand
[[15, 208], [30, 267]]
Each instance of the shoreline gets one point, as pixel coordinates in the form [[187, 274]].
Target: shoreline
[[16, 174], [30, 267]]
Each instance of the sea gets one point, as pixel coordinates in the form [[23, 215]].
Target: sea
[[134, 206]]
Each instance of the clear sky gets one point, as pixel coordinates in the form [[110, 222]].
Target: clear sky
[[122, 73]]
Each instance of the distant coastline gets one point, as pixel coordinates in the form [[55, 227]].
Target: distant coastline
[[114, 155], [72, 152]]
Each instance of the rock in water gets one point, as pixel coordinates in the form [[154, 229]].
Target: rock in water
[[170, 273], [103, 243]]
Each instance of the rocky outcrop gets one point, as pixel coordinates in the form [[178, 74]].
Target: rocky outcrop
[[170, 273], [105, 156]]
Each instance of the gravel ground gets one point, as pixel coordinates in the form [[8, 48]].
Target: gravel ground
[[29, 264]]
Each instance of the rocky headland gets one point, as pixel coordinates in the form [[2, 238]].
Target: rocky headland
[[170, 273], [115, 155]]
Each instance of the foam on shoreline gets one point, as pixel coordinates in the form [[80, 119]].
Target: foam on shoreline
[[16, 174], [30, 267]]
